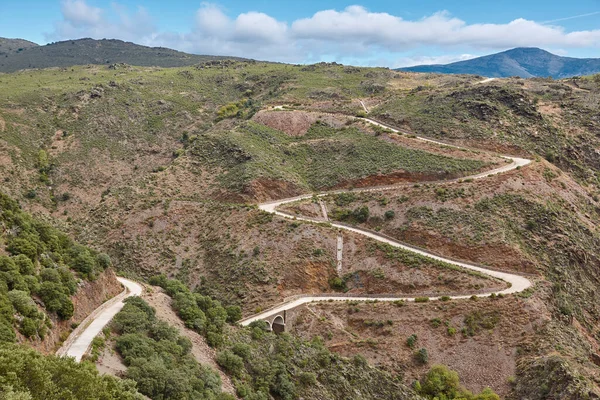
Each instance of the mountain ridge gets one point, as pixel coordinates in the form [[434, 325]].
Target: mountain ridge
[[525, 62], [20, 54]]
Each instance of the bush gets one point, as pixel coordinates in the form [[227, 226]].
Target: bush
[[231, 362], [361, 214], [421, 299], [440, 381], [55, 300], [158, 359], [29, 327], [359, 360], [7, 333], [234, 313], [389, 214], [54, 378], [307, 378], [23, 303], [187, 309], [103, 260], [411, 341], [337, 283], [443, 383], [133, 318], [242, 349], [422, 356], [24, 264]]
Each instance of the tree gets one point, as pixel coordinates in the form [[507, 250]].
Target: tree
[[23, 246], [234, 313], [23, 303], [24, 264], [7, 333], [7, 264], [361, 214], [231, 362], [440, 380], [103, 260]]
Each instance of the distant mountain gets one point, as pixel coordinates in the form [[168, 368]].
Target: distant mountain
[[526, 62], [16, 54], [14, 46]]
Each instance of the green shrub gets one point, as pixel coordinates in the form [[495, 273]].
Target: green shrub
[[307, 378], [421, 299], [422, 356], [7, 333], [242, 349], [411, 341], [234, 313], [443, 383], [361, 214], [231, 363], [389, 214], [337, 283], [22, 303], [54, 378], [24, 264], [158, 359]]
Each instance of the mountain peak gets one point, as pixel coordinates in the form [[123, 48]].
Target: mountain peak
[[526, 62]]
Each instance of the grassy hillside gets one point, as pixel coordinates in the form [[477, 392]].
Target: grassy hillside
[[161, 169], [20, 54], [323, 158]]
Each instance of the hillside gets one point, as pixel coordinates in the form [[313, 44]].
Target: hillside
[[8, 47], [19, 54], [523, 62], [163, 169]]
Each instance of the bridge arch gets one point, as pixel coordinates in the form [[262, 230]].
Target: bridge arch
[[278, 324]]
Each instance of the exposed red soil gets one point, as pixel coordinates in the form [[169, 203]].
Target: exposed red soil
[[296, 123], [497, 255]]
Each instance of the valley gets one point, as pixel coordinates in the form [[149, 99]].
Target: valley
[[220, 191]]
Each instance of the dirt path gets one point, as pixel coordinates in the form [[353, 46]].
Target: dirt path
[[517, 283], [80, 340]]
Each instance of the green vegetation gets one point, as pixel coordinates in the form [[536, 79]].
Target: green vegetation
[[200, 313], [411, 341], [358, 215], [38, 267], [475, 321], [441, 383], [27, 375], [322, 158], [263, 364], [422, 356], [158, 359]]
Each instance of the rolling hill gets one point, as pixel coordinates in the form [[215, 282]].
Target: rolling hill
[[525, 62], [17, 54]]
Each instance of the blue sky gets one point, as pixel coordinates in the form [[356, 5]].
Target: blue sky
[[377, 32]]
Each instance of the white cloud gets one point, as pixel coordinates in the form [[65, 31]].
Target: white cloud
[[80, 14], [82, 20], [352, 33], [428, 60]]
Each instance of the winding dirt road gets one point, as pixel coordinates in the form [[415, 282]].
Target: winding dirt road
[[80, 340], [516, 283]]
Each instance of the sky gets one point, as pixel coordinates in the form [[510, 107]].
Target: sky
[[373, 33]]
